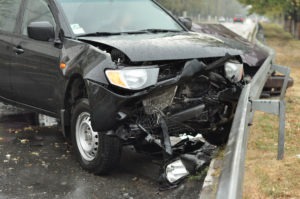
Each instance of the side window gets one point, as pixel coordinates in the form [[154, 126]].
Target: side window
[[9, 10], [36, 11]]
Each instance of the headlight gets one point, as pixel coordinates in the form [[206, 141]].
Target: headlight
[[133, 78], [234, 71]]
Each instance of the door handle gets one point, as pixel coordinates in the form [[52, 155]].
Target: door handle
[[18, 50]]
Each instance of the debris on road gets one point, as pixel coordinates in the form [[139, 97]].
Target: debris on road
[[24, 141], [135, 179], [176, 171], [8, 156], [35, 153], [29, 128]]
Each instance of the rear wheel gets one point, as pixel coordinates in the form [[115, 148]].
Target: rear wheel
[[96, 152]]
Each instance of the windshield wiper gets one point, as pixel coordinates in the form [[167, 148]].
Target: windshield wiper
[[98, 34], [154, 30]]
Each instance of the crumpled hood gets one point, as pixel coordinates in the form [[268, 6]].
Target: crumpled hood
[[166, 46], [253, 55]]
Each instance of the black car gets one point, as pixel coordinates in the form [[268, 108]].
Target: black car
[[117, 73]]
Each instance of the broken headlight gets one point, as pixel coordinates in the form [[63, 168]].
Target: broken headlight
[[234, 71], [133, 78], [176, 171]]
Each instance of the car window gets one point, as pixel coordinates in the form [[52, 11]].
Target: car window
[[89, 16], [9, 10], [36, 11]]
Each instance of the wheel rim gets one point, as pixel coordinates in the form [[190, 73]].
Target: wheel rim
[[87, 140]]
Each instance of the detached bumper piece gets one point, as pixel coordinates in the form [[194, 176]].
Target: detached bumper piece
[[176, 171], [274, 84]]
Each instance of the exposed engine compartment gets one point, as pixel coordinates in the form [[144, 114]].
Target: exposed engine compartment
[[193, 104], [191, 97], [203, 103]]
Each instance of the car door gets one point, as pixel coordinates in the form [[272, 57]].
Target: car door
[[35, 64], [9, 10]]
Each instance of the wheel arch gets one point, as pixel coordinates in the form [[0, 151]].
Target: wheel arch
[[76, 89]]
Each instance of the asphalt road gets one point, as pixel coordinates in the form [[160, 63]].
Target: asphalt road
[[35, 168]]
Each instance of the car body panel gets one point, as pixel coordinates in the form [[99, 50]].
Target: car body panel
[[86, 60], [5, 69], [252, 54], [37, 69], [106, 105], [170, 46]]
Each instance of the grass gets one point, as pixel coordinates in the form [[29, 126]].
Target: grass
[[265, 176], [199, 175], [275, 31]]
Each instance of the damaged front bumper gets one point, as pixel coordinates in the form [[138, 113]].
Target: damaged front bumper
[[183, 157], [200, 99], [110, 109]]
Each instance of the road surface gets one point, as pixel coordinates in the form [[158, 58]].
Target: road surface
[[32, 168]]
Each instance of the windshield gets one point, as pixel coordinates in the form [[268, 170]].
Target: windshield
[[116, 16]]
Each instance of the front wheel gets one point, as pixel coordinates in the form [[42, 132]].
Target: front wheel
[[96, 152]]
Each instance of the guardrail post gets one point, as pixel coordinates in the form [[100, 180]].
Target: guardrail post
[[281, 136], [276, 107], [282, 109]]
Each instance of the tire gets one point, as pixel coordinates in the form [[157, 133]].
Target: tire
[[96, 152]]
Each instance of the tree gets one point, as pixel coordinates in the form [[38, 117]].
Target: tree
[[289, 9], [226, 8]]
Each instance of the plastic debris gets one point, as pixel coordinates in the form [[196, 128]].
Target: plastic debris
[[35, 154], [28, 128], [8, 156], [24, 141]]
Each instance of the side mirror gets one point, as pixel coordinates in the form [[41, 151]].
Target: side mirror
[[41, 31], [187, 22]]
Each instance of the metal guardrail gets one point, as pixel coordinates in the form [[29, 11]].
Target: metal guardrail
[[232, 176]]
